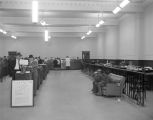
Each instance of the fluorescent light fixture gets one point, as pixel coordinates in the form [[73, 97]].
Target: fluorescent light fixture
[[98, 25], [82, 37], [4, 32], [1, 30], [116, 10], [46, 35], [89, 32], [124, 3], [101, 22], [34, 11], [13, 36]]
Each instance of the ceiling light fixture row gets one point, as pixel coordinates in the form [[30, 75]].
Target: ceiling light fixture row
[[121, 6], [35, 18], [88, 33], [35, 13], [6, 33], [101, 22]]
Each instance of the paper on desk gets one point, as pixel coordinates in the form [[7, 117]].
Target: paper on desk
[[18, 72]]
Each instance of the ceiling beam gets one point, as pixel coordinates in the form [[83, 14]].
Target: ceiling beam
[[54, 34], [23, 21], [54, 29], [54, 5]]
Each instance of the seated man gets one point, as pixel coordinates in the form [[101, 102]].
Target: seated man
[[105, 79], [97, 79]]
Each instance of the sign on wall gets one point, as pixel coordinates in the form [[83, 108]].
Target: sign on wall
[[22, 93]]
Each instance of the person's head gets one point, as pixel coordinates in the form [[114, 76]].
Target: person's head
[[18, 55], [99, 71], [31, 58]]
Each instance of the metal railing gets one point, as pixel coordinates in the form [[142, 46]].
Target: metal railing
[[135, 82]]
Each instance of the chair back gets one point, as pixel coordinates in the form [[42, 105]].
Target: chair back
[[120, 80]]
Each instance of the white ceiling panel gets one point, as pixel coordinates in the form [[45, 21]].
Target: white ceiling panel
[[65, 18]]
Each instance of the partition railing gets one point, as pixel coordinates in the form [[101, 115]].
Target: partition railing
[[135, 83]]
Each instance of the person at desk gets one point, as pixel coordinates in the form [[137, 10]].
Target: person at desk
[[33, 66], [16, 64], [55, 62], [40, 61], [32, 62]]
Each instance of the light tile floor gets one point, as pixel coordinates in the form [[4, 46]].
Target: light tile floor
[[66, 95]]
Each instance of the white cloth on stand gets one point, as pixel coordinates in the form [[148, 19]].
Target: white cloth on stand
[[67, 62], [17, 66]]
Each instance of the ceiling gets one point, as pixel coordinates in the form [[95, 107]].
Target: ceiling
[[65, 18]]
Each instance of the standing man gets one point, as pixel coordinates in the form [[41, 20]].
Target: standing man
[[16, 64], [67, 59], [34, 70]]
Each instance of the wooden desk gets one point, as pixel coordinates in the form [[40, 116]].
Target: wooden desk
[[23, 76]]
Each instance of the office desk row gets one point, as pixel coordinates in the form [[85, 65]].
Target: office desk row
[[37, 75], [136, 83], [3, 70]]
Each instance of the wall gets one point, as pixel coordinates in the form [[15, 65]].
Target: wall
[[56, 47], [148, 33], [125, 41], [101, 46], [133, 39], [2, 47], [111, 42], [129, 36]]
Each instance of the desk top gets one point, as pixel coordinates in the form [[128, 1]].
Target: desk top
[[21, 72], [117, 68], [41, 64]]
